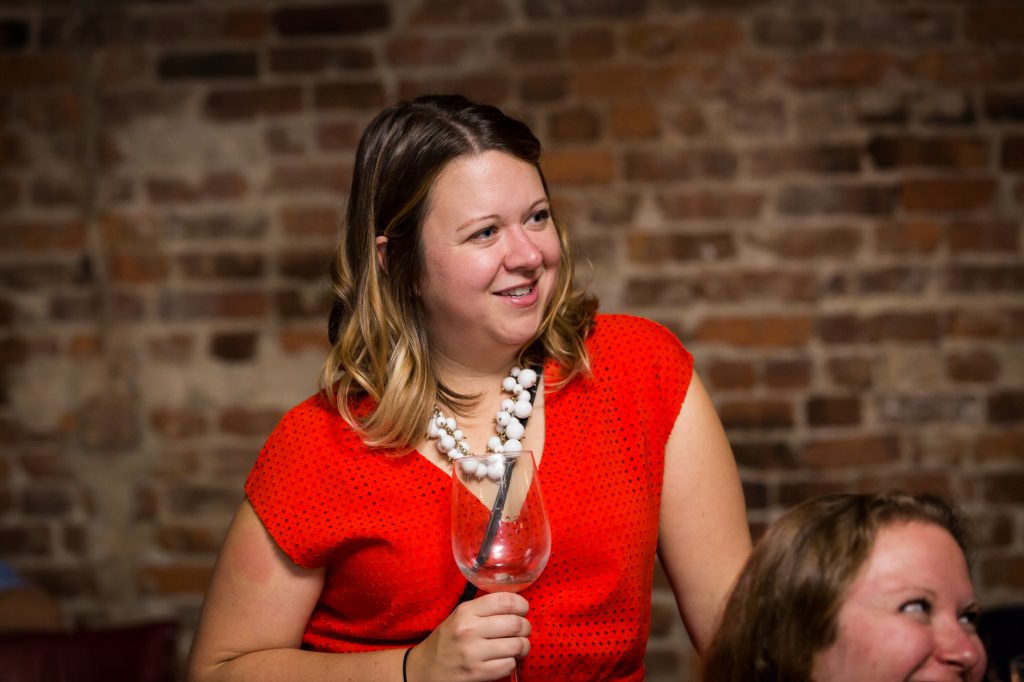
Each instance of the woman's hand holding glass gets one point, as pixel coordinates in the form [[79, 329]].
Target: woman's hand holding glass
[[501, 539]]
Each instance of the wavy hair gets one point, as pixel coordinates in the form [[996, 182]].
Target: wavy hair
[[379, 346], [785, 605]]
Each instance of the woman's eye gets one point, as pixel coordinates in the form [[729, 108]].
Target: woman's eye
[[485, 233], [917, 606], [969, 619], [540, 216]]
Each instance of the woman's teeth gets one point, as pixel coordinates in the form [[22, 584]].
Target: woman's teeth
[[519, 291]]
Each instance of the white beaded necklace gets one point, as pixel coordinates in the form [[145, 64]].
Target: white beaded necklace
[[508, 428]]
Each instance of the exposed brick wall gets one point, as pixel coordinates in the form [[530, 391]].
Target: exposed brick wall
[[823, 200]]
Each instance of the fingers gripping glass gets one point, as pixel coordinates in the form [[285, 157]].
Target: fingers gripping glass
[[501, 539]]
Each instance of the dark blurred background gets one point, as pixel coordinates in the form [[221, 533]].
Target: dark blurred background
[[822, 199]]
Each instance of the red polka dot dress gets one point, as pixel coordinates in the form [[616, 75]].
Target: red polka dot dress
[[381, 525]]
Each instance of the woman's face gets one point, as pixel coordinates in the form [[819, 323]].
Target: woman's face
[[491, 255], [909, 615]]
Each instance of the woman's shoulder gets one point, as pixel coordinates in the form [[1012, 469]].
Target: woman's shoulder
[[627, 343], [314, 419], [615, 329]]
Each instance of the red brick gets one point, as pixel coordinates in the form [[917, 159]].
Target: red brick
[[460, 12], [183, 305], [956, 152], [896, 27], [330, 178], [690, 121], [562, 9], [823, 159], [226, 266], [787, 373], [528, 47], [930, 408], [315, 59], [679, 166], [29, 71], [137, 266], [245, 24], [304, 264], [772, 455], [243, 103], [993, 23], [578, 167], [612, 82], [233, 346], [635, 120], [787, 30], [1001, 445], [1005, 572], [574, 125], [808, 244], [983, 278], [756, 414], [332, 19], [589, 45], [984, 236], [42, 236], [175, 579], [855, 451], [88, 307], [310, 221], [1006, 407], [837, 70], [188, 539], [1004, 486], [338, 136], [914, 482], [972, 367], [766, 331], [970, 323], [894, 279], [50, 112], [25, 540], [793, 493], [51, 192], [1011, 155], [941, 195], [350, 95], [645, 247], [833, 411], [544, 87], [703, 34], [85, 346], [303, 340], [208, 65], [834, 199], [177, 423], [725, 374], [908, 237], [420, 51], [711, 205], [46, 501]]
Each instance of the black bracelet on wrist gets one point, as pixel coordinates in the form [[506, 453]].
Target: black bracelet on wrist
[[405, 659]]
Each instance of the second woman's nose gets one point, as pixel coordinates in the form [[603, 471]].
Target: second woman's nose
[[958, 648]]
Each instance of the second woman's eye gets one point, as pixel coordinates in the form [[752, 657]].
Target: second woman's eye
[[922, 606]]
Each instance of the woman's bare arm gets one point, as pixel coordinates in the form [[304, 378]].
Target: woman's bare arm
[[259, 602], [703, 538]]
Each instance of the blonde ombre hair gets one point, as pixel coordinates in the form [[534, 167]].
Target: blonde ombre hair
[[380, 348]]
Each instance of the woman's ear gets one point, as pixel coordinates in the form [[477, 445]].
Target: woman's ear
[[382, 248]]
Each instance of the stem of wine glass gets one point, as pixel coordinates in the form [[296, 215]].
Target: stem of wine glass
[[517, 672]]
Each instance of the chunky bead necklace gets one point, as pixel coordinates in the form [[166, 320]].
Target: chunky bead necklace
[[508, 428]]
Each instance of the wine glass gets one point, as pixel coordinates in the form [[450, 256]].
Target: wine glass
[[500, 533]]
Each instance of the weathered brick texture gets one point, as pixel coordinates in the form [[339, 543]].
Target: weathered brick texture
[[825, 206]]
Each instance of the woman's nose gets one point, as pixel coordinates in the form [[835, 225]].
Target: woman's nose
[[522, 253], [959, 647]]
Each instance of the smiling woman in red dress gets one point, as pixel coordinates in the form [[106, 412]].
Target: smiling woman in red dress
[[454, 295]]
